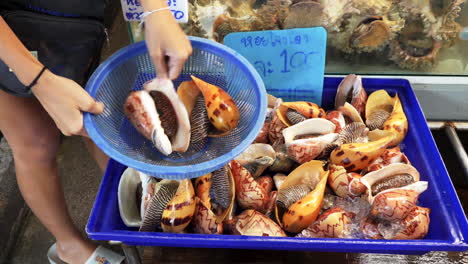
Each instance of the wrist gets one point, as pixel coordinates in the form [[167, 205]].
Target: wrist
[[23, 75], [150, 5], [43, 82]]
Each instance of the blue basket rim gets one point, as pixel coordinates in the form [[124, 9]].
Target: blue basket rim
[[174, 171]]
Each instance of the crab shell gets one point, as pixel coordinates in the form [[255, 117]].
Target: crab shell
[[222, 111], [333, 223], [253, 223], [249, 193], [340, 181], [181, 140], [280, 120], [257, 158], [397, 123], [415, 225], [357, 156], [180, 210], [351, 84], [396, 204], [304, 211], [390, 156]]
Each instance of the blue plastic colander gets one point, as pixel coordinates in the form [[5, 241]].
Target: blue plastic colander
[[131, 67]]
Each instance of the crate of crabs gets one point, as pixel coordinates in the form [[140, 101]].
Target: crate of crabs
[[360, 173]]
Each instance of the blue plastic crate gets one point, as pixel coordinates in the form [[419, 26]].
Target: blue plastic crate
[[448, 228]]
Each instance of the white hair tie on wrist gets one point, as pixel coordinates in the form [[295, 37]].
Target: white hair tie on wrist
[[145, 14]]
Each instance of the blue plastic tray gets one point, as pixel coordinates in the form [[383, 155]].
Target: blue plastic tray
[[448, 228]]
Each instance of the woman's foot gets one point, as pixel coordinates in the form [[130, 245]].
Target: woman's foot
[[75, 252]]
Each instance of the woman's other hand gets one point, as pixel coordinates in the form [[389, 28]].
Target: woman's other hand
[[65, 101]]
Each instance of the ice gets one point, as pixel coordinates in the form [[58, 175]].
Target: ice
[[328, 201], [360, 207], [389, 229]]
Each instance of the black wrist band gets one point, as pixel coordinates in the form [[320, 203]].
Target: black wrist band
[[37, 78]]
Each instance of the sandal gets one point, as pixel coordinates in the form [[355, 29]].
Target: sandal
[[101, 255]]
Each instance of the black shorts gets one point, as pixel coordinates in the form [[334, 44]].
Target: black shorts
[[69, 47]]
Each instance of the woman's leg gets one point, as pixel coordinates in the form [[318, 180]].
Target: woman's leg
[[34, 140], [100, 157]]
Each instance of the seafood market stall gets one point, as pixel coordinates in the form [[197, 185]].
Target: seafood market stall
[[354, 171]]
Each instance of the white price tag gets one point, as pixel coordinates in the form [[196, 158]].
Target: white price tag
[[132, 10]]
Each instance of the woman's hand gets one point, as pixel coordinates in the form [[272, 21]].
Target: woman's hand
[[62, 98], [65, 101], [168, 45]]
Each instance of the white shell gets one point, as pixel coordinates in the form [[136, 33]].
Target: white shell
[[309, 126], [159, 138], [418, 187], [148, 184], [255, 151], [351, 112], [127, 199], [323, 140], [392, 169], [181, 140]]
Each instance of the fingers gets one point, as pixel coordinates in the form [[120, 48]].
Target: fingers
[[93, 107], [87, 104], [74, 125], [177, 63], [175, 67], [160, 63]]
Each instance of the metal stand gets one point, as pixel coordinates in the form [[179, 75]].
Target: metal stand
[[458, 148], [450, 129], [131, 254]]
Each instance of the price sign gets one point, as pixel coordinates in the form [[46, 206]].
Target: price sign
[[132, 10], [290, 60]]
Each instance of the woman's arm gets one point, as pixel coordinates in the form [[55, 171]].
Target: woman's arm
[[16, 56], [165, 38], [62, 98]]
